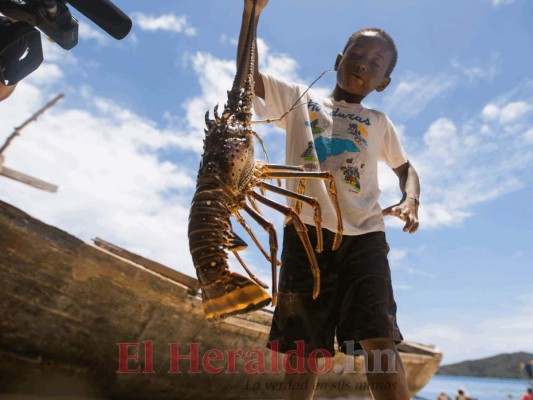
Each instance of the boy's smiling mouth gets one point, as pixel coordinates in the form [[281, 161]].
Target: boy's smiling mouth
[[358, 78]]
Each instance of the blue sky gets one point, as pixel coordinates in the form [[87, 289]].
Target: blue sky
[[125, 143]]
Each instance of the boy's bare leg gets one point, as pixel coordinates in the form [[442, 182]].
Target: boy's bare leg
[[299, 386], [385, 375]]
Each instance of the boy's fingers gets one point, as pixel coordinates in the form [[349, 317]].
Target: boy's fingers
[[405, 214], [411, 226], [393, 210]]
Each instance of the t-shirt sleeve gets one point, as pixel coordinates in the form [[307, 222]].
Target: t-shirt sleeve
[[279, 97], [391, 150]]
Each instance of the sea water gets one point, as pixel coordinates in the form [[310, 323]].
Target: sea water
[[476, 388]]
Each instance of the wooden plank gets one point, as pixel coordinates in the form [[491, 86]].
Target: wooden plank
[[28, 180], [154, 266]]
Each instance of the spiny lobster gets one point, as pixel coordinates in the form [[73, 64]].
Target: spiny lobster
[[226, 180]]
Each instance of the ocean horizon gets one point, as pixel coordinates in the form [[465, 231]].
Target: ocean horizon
[[480, 388]]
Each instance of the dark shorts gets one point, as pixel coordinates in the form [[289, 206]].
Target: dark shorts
[[356, 301]]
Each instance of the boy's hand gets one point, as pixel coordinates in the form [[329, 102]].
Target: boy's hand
[[406, 210], [259, 5]]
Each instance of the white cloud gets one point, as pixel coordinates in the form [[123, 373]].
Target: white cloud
[[396, 255], [165, 22], [215, 77], [277, 64], [460, 341], [104, 158], [528, 136], [507, 113], [464, 163], [413, 93], [402, 287], [487, 71], [87, 32], [47, 74], [497, 3], [53, 53]]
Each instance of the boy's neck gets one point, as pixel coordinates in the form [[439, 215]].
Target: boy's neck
[[340, 94]]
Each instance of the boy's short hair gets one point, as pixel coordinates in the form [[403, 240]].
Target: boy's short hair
[[385, 36]]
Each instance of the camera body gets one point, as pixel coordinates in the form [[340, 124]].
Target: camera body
[[20, 43], [20, 51]]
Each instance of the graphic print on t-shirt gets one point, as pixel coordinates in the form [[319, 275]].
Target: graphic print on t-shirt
[[328, 146], [352, 142], [352, 167]]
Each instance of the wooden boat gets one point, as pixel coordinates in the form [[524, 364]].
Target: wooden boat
[[98, 321]]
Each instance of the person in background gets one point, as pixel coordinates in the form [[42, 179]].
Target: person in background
[[443, 396], [461, 395], [528, 395]]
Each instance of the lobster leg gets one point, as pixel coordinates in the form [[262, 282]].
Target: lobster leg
[[254, 205], [250, 274], [241, 220], [301, 190], [271, 171], [306, 199], [302, 233], [269, 227]]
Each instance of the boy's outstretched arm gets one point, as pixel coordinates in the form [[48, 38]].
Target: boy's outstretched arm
[[259, 88], [407, 208]]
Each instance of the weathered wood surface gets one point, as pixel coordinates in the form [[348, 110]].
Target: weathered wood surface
[[28, 180], [174, 275], [65, 305]]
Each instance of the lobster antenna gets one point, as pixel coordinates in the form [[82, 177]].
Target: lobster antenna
[[247, 51], [295, 105]]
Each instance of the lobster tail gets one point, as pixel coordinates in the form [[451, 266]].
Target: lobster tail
[[223, 292], [232, 294]]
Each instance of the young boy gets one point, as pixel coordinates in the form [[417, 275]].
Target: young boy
[[339, 135]]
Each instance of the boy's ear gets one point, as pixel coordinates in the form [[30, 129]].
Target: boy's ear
[[337, 61], [383, 85]]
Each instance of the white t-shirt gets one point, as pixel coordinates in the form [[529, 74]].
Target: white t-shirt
[[345, 139]]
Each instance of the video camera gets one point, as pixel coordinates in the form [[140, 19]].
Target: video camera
[[20, 43]]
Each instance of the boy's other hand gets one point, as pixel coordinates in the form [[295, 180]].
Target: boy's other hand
[[407, 211], [5, 91], [248, 4]]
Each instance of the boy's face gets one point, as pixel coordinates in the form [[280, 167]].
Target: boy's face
[[362, 67]]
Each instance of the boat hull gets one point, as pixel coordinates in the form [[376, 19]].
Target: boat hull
[[81, 321]]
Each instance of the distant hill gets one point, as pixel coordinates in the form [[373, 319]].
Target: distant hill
[[500, 366]]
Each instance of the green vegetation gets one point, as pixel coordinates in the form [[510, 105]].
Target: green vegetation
[[500, 366]]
